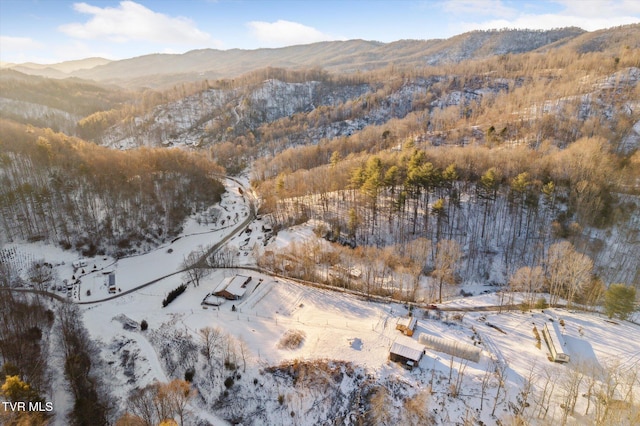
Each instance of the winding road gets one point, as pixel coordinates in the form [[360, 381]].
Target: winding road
[[241, 227], [200, 263]]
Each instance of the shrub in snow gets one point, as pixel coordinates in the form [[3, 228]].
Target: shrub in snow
[[173, 294], [537, 336], [188, 375], [228, 382], [144, 325], [541, 303], [292, 339]]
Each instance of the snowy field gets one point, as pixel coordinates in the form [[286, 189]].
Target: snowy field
[[90, 283], [347, 332], [344, 328]]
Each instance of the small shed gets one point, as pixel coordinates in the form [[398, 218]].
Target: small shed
[[211, 300], [233, 288], [408, 353], [80, 263], [112, 283], [407, 325]]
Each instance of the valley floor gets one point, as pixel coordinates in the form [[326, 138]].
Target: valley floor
[[344, 337]]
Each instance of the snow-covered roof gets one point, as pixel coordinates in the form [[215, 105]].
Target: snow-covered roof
[[556, 337], [212, 300], [406, 350], [235, 285], [408, 322]]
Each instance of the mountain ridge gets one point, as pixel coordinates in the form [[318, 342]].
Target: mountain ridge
[[157, 70]]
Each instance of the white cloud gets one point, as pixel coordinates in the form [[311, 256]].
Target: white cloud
[[600, 8], [590, 15], [478, 7], [286, 33], [18, 44], [132, 21]]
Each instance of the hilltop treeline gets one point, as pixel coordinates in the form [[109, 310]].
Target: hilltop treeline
[[58, 188], [514, 203], [506, 156], [74, 96]]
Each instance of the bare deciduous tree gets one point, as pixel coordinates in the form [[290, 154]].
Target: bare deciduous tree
[[380, 402], [499, 372], [571, 386], [41, 274], [158, 402], [193, 270], [567, 271], [529, 280], [416, 409], [448, 254], [210, 337]]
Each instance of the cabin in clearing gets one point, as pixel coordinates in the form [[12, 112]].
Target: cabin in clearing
[[407, 325], [406, 352], [233, 288]]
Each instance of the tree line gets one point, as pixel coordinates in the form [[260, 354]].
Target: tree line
[[67, 191], [514, 202]]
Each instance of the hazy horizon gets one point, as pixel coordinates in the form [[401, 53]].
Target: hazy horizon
[[49, 32]]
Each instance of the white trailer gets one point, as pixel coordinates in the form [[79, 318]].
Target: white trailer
[[555, 342], [81, 263], [112, 283]]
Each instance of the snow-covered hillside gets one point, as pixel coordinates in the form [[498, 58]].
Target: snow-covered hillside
[[43, 115], [287, 353]]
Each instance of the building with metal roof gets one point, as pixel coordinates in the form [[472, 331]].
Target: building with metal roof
[[407, 352], [233, 288]]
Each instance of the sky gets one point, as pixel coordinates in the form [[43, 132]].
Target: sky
[[51, 31]]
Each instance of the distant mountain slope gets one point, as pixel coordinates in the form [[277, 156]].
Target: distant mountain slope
[[611, 39], [30, 99], [59, 70], [162, 70], [336, 56]]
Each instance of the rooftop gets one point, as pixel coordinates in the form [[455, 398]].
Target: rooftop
[[407, 348], [236, 285]]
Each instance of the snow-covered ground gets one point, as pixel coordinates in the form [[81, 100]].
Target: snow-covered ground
[[335, 328], [345, 328], [90, 283]]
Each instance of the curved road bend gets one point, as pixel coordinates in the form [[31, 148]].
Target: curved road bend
[[240, 228], [201, 262]]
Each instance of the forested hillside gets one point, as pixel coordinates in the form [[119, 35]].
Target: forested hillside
[[504, 152], [367, 185], [162, 70], [96, 200], [54, 104]]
